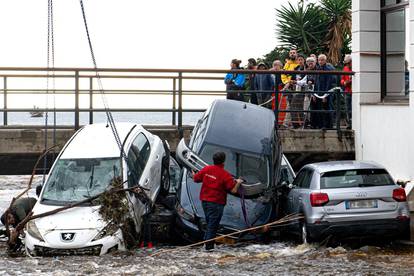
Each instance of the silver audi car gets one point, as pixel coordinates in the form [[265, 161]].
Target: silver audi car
[[347, 199]]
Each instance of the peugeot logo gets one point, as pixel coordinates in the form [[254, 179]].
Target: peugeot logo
[[67, 237], [361, 194]]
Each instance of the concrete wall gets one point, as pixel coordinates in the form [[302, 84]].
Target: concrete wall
[[20, 148], [384, 130]]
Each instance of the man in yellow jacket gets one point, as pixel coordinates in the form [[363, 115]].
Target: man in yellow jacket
[[288, 81], [290, 65]]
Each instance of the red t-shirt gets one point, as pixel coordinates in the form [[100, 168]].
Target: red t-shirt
[[216, 183], [347, 78]]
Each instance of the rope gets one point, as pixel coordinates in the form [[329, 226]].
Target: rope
[[243, 206], [270, 100], [288, 218]]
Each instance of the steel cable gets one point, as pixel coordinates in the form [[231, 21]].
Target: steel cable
[[108, 113]]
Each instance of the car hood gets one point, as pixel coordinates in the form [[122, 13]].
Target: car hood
[[258, 213], [71, 219]]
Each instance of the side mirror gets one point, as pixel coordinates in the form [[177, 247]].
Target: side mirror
[[38, 190]]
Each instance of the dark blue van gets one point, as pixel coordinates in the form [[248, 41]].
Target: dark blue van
[[247, 134]]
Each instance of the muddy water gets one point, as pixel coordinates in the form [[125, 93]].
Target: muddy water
[[242, 259]]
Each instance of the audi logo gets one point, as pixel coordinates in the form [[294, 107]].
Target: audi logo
[[361, 194]]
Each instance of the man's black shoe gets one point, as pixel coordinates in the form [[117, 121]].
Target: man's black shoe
[[209, 246]]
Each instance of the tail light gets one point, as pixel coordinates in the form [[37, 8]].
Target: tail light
[[399, 195], [403, 218], [318, 199]]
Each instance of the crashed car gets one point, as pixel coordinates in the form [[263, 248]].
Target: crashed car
[[84, 168], [247, 135], [348, 199]]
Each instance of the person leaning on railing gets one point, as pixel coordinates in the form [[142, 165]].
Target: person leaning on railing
[[235, 82], [289, 82], [346, 83], [263, 82], [322, 100], [249, 83], [298, 98], [308, 83]]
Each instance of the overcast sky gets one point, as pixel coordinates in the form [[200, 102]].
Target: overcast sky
[[139, 34]]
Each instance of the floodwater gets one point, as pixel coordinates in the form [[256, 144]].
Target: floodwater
[[284, 258]]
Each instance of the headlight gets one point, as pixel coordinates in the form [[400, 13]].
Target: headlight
[[108, 230], [33, 231]]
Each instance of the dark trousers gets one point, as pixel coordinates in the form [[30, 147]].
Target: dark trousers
[[320, 119], [233, 94], [348, 102], [213, 212]]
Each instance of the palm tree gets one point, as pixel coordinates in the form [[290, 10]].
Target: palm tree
[[303, 26], [339, 28]]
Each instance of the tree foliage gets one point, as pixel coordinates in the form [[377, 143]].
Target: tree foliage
[[302, 26], [314, 28], [339, 28]]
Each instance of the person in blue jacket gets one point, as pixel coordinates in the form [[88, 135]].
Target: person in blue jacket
[[235, 82], [263, 83]]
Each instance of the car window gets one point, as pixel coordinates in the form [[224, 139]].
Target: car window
[[306, 181], [199, 136], [355, 178], [73, 180], [252, 168], [299, 178], [138, 156], [175, 172]]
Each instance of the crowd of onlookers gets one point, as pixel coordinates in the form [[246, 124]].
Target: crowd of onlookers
[[311, 94]]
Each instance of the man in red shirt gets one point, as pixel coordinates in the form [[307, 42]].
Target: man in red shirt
[[346, 83], [217, 182]]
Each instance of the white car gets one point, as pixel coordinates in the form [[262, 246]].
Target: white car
[[84, 168]]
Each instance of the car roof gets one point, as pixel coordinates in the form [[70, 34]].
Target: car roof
[[240, 126], [329, 166], [97, 141]]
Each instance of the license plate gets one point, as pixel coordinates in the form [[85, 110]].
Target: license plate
[[361, 204]]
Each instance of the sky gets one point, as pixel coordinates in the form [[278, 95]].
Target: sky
[[139, 34], [180, 34]]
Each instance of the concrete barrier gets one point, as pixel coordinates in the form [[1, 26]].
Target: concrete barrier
[[19, 148]]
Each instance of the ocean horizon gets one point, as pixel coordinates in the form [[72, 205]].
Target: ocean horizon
[[68, 118]]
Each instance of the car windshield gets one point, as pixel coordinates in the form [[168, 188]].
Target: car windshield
[[73, 180], [252, 168], [355, 178]]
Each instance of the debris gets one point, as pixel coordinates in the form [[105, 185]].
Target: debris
[[286, 219]]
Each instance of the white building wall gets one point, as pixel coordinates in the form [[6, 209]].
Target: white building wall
[[384, 132]]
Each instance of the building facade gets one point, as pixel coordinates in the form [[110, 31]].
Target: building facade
[[383, 85]]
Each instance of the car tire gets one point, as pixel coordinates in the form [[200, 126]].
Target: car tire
[[165, 179]]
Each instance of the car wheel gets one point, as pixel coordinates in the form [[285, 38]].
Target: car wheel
[[165, 180]]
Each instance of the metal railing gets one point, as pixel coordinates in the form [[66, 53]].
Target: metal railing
[[177, 78]]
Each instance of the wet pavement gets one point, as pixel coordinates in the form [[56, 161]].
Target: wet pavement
[[284, 258]]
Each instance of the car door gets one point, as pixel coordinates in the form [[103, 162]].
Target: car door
[[138, 154], [300, 191]]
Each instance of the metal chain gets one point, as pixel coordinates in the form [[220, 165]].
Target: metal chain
[[110, 119], [49, 42], [100, 86]]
